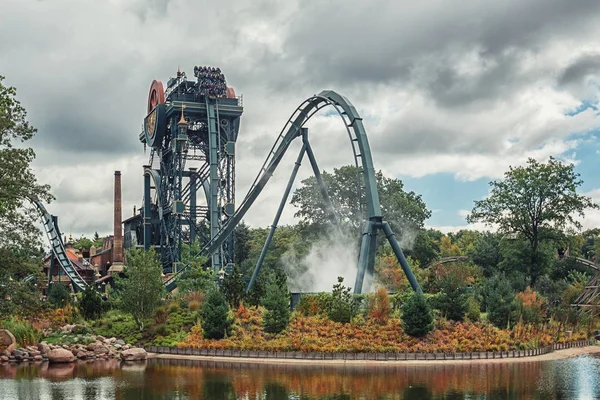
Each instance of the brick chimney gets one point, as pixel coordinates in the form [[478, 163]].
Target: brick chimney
[[118, 234]]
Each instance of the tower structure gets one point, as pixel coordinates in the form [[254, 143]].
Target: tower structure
[[191, 128]]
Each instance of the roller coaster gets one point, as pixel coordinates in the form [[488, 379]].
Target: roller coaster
[[192, 133]]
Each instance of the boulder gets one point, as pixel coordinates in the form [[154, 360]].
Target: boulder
[[134, 354], [82, 355], [38, 358], [94, 346], [20, 354], [3, 358], [60, 356], [120, 342], [101, 350], [7, 340]]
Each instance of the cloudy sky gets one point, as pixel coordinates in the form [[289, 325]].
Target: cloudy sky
[[452, 93]]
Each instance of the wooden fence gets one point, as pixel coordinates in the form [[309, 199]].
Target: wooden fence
[[364, 356]]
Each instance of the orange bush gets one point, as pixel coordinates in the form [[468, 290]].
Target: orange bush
[[379, 306], [319, 334]]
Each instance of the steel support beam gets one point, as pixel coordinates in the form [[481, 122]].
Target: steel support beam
[[193, 190], [213, 203], [363, 257], [400, 256], [319, 177], [286, 194], [147, 213]]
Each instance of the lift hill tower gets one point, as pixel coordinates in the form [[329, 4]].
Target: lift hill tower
[[191, 128]]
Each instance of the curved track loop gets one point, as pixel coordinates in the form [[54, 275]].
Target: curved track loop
[[58, 249], [291, 131]]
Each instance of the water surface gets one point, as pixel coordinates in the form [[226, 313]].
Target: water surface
[[575, 378]]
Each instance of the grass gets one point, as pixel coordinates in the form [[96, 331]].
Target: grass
[[24, 332]]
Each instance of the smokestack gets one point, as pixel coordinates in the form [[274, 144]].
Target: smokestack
[[118, 234]]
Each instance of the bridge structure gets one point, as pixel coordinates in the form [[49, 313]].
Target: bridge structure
[[192, 134]]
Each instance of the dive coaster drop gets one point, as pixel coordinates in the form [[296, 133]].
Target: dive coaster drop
[[170, 210]]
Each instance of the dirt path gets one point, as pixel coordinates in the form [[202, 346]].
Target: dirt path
[[555, 355]]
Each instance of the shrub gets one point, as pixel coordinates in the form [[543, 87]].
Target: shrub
[[161, 314], [341, 307], [173, 307], [59, 295], [90, 305], [276, 303], [499, 301], [215, 316], [529, 307], [417, 318], [379, 306], [25, 334], [473, 309], [194, 305], [313, 304]]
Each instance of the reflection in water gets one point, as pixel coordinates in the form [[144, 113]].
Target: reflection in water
[[575, 378]]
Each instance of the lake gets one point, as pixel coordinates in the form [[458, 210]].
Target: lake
[[574, 378]]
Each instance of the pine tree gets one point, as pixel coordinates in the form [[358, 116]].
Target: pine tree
[[499, 301], [234, 288], [215, 315], [417, 318], [276, 302]]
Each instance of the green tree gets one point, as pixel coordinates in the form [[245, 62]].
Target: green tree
[[276, 303], [83, 243], [234, 288], [406, 211], [486, 253], [215, 315], [196, 279], [533, 201], [19, 235], [142, 289], [453, 301], [417, 317], [342, 306], [59, 295], [500, 298], [90, 305], [426, 248]]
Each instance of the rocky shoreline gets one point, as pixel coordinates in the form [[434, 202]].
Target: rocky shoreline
[[97, 348]]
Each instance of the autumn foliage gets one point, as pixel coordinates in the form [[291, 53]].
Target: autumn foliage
[[319, 334]]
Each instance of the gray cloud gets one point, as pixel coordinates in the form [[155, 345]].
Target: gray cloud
[[431, 79], [581, 68]]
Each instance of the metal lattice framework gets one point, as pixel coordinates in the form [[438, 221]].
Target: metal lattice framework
[[192, 139]]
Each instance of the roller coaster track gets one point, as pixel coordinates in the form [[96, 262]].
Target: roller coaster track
[[58, 249], [446, 260], [363, 161]]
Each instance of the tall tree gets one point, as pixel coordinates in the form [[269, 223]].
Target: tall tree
[[19, 236], [276, 303], [142, 290], [406, 211], [533, 201], [234, 287]]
